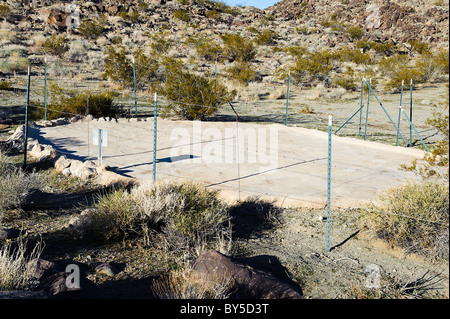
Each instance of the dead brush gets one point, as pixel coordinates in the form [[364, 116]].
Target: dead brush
[[394, 288], [188, 284]]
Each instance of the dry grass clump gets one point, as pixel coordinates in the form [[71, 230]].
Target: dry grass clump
[[15, 273], [414, 216], [187, 284], [14, 185]]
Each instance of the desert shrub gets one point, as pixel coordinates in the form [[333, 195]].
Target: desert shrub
[[55, 45], [398, 69], [212, 14], [436, 163], [187, 284], [352, 55], [442, 60], [419, 47], [66, 103], [15, 270], [15, 62], [355, 33], [185, 216], [346, 82], [206, 48], [219, 6], [413, 216], [5, 11], [119, 69], [313, 65], [241, 72], [237, 47], [92, 29], [15, 185], [5, 85], [132, 17], [191, 96], [266, 37], [161, 43], [182, 15], [432, 66]]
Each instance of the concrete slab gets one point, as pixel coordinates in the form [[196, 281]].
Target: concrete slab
[[286, 163]]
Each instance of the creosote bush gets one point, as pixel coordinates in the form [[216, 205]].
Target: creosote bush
[[55, 45], [236, 47], [119, 68], [92, 29], [67, 103], [191, 96]]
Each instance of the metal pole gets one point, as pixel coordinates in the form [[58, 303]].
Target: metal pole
[[410, 123], [330, 125], [360, 109], [45, 90], [87, 120], [349, 119], [400, 113], [25, 145], [134, 81], [367, 112], [155, 120], [387, 114], [237, 151], [287, 99], [100, 155], [410, 113]]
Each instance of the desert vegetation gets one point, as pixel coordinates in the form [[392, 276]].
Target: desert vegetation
[[160, 229]]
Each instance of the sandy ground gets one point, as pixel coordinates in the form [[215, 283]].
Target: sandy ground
[[286, 163]]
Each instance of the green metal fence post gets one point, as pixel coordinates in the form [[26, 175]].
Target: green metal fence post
[[155, 124], [361, 107], [330, 125], [367, 112], [25, 144], [287, 98], [45, 89], [134, 81], [399, 113], [410, 113]]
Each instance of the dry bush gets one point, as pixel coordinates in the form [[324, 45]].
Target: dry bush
[[15, 185], [187, 284], [414, 216], [15, 273], [184, 216]]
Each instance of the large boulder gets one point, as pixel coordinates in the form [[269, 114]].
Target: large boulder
[[249, 283]]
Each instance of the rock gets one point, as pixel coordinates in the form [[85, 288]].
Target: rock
[[40, 268], [84, 173], [249, 283], [56, 285], [79, 223], [105, 268], [9, 233]]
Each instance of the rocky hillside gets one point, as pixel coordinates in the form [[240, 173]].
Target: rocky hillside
[[191, 30], [398, 20]]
